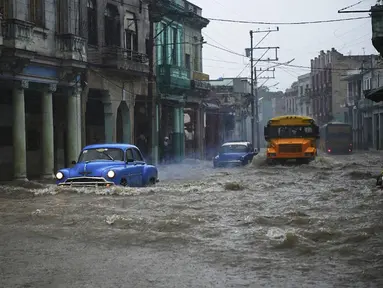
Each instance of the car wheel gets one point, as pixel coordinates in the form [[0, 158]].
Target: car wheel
[[151, 182], [124, 182]]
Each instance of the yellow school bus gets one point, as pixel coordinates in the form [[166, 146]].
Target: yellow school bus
[[291, 137]]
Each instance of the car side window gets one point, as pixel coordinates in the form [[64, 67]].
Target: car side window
[[137, 155], [250, 148], [129, 154]]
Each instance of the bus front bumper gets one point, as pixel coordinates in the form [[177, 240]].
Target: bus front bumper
[[291, 155]]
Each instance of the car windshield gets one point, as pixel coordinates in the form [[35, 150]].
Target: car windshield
[[235, 148], [101, 154]]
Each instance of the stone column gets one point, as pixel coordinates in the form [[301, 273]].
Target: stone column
[[126, 127], [74, 125], [18, 127], [84, 100], [47, 147], [199, 132], [176, 137], [110, 116], [182, 131]]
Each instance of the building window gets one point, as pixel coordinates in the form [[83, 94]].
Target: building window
[[112, 26], [196, 56], [187, 61], [92, 22], [36, 12], [131, 35], [4, 8], [174, 46], [147, 48], [59, 17], [165, 57]]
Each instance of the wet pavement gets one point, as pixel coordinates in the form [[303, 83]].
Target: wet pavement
[[316, 225]]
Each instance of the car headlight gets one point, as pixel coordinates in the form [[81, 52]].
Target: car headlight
[[242, 158], [59, 175], [111, 174]]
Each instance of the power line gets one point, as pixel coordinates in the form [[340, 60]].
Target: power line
[[263, 22], [231, 52], [283, 64], [287, 23]]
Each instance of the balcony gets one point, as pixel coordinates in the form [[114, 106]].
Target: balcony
[[126, 60], [18, 34], [71, 47], [195, 18], [172, 9], [173, 79], [377, 27], [200, 81]]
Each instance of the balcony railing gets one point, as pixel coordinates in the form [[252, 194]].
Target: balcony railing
[[172, 77], [124, 54], [71, 47], [18, 34], [128, 60]]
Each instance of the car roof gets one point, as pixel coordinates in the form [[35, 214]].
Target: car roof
[[236, 143], [122, 146]]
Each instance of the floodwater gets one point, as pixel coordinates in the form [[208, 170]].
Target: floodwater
[[316, 225]]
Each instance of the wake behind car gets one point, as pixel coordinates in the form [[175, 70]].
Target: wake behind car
[[235, 154], [108, 165]]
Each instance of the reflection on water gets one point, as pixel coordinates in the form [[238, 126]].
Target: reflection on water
[[316, 225]]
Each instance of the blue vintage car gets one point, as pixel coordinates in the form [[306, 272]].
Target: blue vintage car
[[235, 154], [109, 165]]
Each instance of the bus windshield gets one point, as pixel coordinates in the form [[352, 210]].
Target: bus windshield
[[291, 132]]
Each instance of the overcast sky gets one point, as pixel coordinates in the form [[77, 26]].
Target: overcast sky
[[302, 42]]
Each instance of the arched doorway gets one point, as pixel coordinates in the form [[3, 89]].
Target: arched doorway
[[94, 118], [123, 124]]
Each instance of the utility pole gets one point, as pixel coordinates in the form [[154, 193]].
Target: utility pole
[[254, 90], [151, 96]]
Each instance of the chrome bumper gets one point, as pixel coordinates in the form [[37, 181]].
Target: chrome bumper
[[232, 162], [86, 182]]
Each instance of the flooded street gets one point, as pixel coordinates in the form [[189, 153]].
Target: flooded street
[[317, 225]]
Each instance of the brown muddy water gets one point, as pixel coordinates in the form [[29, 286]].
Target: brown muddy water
[[317, 225]]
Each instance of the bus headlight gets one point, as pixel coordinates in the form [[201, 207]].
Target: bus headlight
[[59, 175]]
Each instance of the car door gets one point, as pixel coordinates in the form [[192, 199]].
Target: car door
[[139, 163], [133, 170], [250, 153]]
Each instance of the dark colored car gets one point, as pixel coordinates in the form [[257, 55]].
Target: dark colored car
[[235, 154]]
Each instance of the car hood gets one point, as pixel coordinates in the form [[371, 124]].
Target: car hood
[[93, 169], [231, 156]]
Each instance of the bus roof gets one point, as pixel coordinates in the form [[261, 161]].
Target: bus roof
[[336, 123], [291, 120], [297, 117]]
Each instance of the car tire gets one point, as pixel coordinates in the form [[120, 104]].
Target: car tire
[[124, 182], [152, 182]]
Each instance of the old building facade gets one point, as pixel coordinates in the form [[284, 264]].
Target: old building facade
[[365, 116], [291, 99], [182, 86], [304, 91], [233, 95], [328, 91], [117, 34], [72, 72], [41, 73]]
